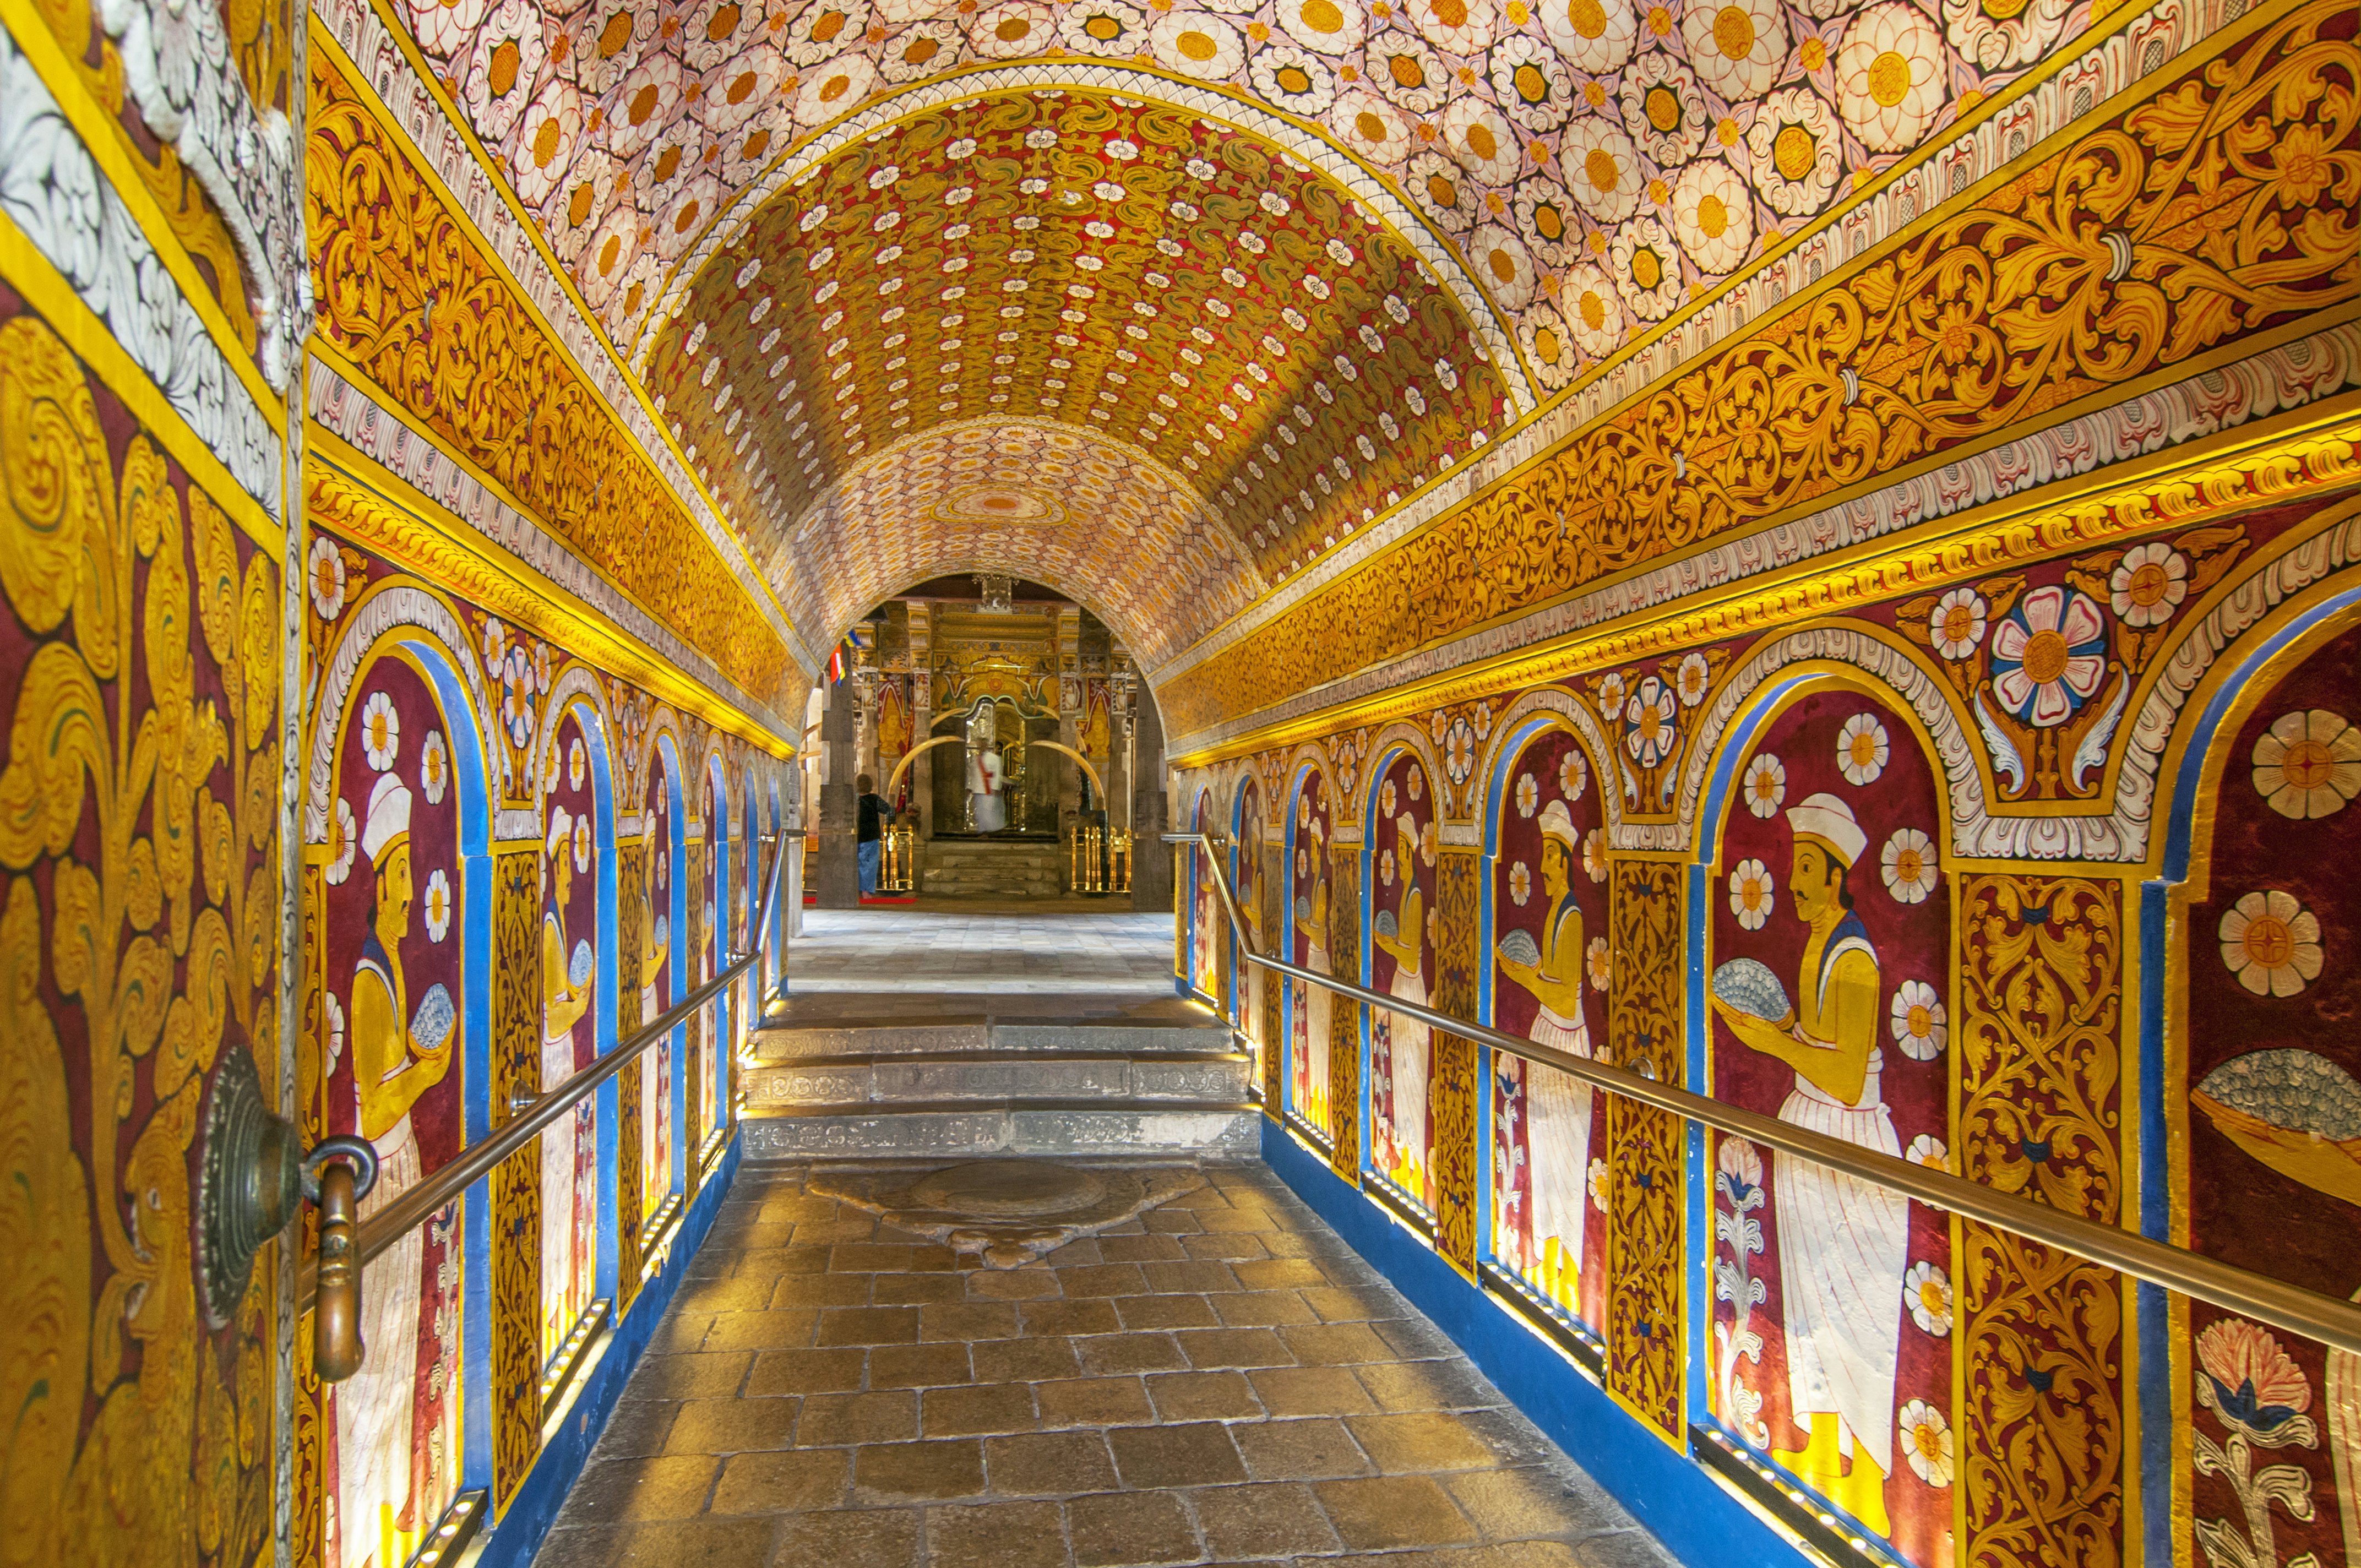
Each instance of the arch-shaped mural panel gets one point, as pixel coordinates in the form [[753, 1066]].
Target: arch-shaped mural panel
[[1310, 1008], [2266, 1097], [574, 864], [711, 858], [661, 941], [1207, 926], [405, 957], [1547, 974], [1400, 832], [1827, 914], [1249, 878]]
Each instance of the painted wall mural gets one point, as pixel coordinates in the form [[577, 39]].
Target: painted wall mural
[[660, 822], [570, 1032], [2273, 1113], [1400, 846], [1207, 926], [1551, 970], [396, 924], [1246, 878], [1309, 1009], [1830, 933]]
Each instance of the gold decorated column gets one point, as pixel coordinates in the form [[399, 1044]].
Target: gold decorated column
[[1454, 1097], [1646, 1315]]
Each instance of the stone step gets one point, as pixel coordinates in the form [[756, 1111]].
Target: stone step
[[893, 1080], [967, 1130], [784, 1045]]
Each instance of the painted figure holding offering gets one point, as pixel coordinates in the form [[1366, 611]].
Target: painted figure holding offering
[[1557, 1107]]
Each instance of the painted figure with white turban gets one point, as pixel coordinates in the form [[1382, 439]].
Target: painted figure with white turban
[[1843, 1242], [1404, 940], [377, 1486], [1557, 1108], [568, 1255]]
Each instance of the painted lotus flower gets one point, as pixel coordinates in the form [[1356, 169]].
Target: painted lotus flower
[[1692, 679], [1573, 776], [1594, 854], [1889, 76], [1598, 1185], [2148, 584], [1459, 751], [1927, 1441], [1751, 889], [1600, 962], [333, 1012], [1863, 750], [1957, 626], [1528, 795], [2271, 943], [1416, 783], [1385, 870], [1598, 36], [326, 571], [582, 842], [2050, 655], [344, 842], [1741, 1164], [2249, 1378], [1386, 799], [2308, 764], [1919, 1028], [380, 731], [1931, 1151], [434, 767], [577, 762], [437, 906], [1649, 730], [1926, 1291], [1908, 865], [1611, 696], [1766, 784], [1795, 151], [1601, 169], [1521, 884]]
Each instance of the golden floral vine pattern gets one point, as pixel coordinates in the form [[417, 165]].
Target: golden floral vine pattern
[[1645, 1308]]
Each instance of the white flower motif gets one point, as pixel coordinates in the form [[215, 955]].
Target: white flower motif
[[1294, 80], [1926, 1291], [1601, 169], [1663, 108], [1521, 881], [2049, 654], [1737, 46], [1752, 888], [1611, 696], [1766, 784], [1795, 153], [1650, 732], [2308, 763], [380, 731], [1889, 76], [2271, 942], [1528, 795], [1713, 213], [333, 1017], [344, 842], [1459, 751], [577, 762], [1594, 854], [2148, 584], [327, 575], [1197, 45], [1598, 1185], [1415, 783], [1595, 35], [582, 842], [1387, 797], [1908, 863], [1593, 311], [1385, 867], [1926, 1439], [1600, 962], [1326, 27], [1957, 625], [437, 904], [434, 767], [1573, 775], [1928, 1150], [1863, 750], [1919, 1028], [1691, 680], [1647, 269]]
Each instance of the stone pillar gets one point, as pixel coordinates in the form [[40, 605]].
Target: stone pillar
[[837, 878], [921, 779], [1151, 858]]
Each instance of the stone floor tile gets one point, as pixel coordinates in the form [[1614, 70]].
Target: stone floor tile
[[734, 1426], [705, 1376], [633, 1491], [977, 1410], [1419, 1444], [1170, 1221], [1139, 1248], [1106, 1355], [1241, 1523], [795, 1481], [1011, 1284], [1513, 1505], [637, 1428], [1333, 1344], [1311, 1391], [914, 1290], [1224, 1245], [1347, 1304], [1232, 1347], [1051, 1462], [868, 1257], [682, 1331], [1196, 1454], [1393, 1511], [1450, 1384], [710, 1543], [917, 1365], [1203, 1397], [1063, 1317], [832, 1420], [822, 1290], [1168, 1277], [726, 1294], [1414, 1338], [868, 1325], [1262, 1309], [774, 1329], [1024, 1360], [867, 1538], [967, 1322], [996, 1535], [1316, 1449], [1127, 1527], [917, 1472], [1093, 1402], [1278, 1274], [805, 1372], [1182, 1311]]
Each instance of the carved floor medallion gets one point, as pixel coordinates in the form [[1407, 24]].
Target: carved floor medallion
[[1012, 1212]]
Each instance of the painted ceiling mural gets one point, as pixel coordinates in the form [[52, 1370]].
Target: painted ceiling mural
[[1124, 268], [1085, 514]]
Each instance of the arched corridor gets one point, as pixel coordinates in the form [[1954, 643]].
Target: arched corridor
[[924, 780]]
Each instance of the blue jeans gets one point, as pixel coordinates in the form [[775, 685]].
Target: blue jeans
[[870, 853]]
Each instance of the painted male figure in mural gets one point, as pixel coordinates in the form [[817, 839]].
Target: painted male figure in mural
[[1313, 1002], [1404, 938], [1843, 1242], [568, 969], [1557, 1108], [655, 1072], [391, 1068]]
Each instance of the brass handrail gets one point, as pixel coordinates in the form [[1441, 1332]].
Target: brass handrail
[[2257, 1296], [414, 1205]]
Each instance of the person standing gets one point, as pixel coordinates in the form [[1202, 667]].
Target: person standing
[[1557, 1107], [871, 833]]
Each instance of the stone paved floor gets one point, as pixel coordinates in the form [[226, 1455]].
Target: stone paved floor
[[884, 951], [1221, 1380]]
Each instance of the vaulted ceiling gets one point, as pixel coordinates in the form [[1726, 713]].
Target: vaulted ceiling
[[1291, 256]]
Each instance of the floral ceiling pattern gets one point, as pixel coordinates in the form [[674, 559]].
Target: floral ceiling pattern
[[1128, 269], [1082, 514], [1598, 162]]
